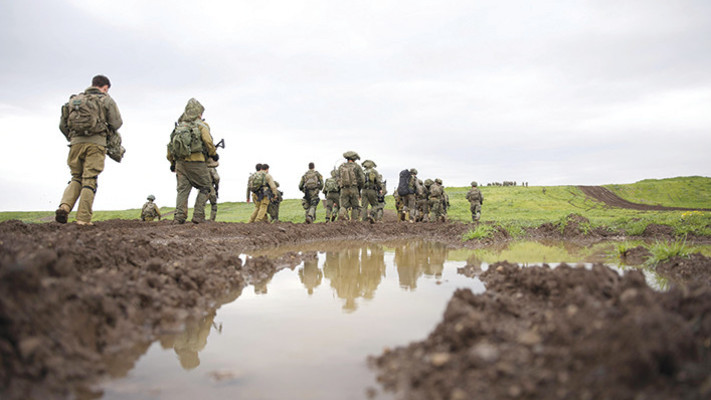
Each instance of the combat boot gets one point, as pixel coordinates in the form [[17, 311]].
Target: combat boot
[[62, 214]]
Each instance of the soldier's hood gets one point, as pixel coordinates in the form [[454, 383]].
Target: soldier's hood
[[193, 110]]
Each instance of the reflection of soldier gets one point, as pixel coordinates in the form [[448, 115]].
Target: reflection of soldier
[[192, 340], [406, 263], [476, 199], [310, 274], [352, 276], [436, 256]]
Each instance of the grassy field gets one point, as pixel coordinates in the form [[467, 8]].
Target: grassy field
[[514, 208]]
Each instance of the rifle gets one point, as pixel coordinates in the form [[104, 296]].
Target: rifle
[[221, 143]]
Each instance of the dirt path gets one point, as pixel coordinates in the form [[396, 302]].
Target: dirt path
[[604, 195]]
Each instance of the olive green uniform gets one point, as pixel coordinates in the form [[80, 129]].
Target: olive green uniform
[[150, 211], [476, 199], [369, 195], [333, 197], [191, 172], [311, 184], [86, 157], [350, 191], [273, 207], [263, 197], [423, 209], [214, 187], [436, 201]]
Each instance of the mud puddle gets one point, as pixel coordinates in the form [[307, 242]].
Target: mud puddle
[[306, 332]]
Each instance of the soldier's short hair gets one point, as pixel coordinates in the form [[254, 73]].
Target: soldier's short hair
[[265, 167], [258, 167], [100, 81], [311, 165]]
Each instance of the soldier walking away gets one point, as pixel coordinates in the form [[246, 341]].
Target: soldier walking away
[[333, 196], [214, 188], [273, 207], [436, 200], [311, 184], [380, 208], [476, 199], [351, 180], [264, 188], [372, 188], [408, 187], [88, 120], [150, 210], [189, 143]]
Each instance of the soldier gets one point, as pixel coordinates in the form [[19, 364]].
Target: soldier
[[273, 207], [399, 206], [410, 199], [372, 188], [333, 197], [214, 188], [351, 180], [380, 208], [264, 188], [445, 204], [436, 200], [88, 119], [191, 170], [476, 199], [150, 210], [423, 208], [311, 183]]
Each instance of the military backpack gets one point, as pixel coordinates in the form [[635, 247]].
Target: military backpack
[[84, 114], [403, 185], [149, 210], [185, 140], [331, 186], [371, 178], [258, 181], [311, 180], [347, 175], [436, 190]]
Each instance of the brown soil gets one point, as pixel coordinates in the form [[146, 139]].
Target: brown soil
[[604, 195], [71, 298]]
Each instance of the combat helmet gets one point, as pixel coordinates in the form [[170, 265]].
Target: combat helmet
[[413, 171], [369, 164], [439, 181], [428, 182], [473, 183], [151, 197], [351, 155]]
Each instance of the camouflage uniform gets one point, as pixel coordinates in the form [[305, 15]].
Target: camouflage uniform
[[86, 159], [436, 200], [214, 188], [380, 208], [476, 199], [350, 191], [409, 201], [372, 187], [311, 184], [423, 209], [191, 172], [273, 207], [264, 196], [150, 210], [333, 197]]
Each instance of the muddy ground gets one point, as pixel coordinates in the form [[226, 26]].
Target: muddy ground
[[71, 298]]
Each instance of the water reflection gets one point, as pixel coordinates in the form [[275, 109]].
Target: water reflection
[[310, 274], [416, 258], [355, 272], [191, 341]]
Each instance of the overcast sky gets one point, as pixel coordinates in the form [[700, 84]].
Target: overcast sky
[[549, 92]]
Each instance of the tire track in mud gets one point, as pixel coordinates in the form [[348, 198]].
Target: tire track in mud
[[604, 195]]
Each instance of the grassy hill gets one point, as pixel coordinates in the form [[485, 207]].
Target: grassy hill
[[513, 207]]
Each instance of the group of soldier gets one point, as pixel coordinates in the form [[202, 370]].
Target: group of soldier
[[90, 122]]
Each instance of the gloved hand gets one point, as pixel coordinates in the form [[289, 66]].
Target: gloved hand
[[172, 167], [216, 157]]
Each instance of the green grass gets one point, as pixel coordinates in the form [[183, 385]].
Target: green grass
[[662, 251], [513, 208]]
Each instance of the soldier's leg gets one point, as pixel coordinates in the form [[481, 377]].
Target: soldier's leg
[[183, 188], [314, 200], [262, 211], [200, 179], [212, 198], [343, 204], [255, 201], [94, 157], [73, 189]]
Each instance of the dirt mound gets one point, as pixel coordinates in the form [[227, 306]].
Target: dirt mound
[[684, 271], [604, 195], [560, 333]]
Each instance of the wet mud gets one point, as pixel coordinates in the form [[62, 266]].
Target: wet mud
[[72, 298]]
